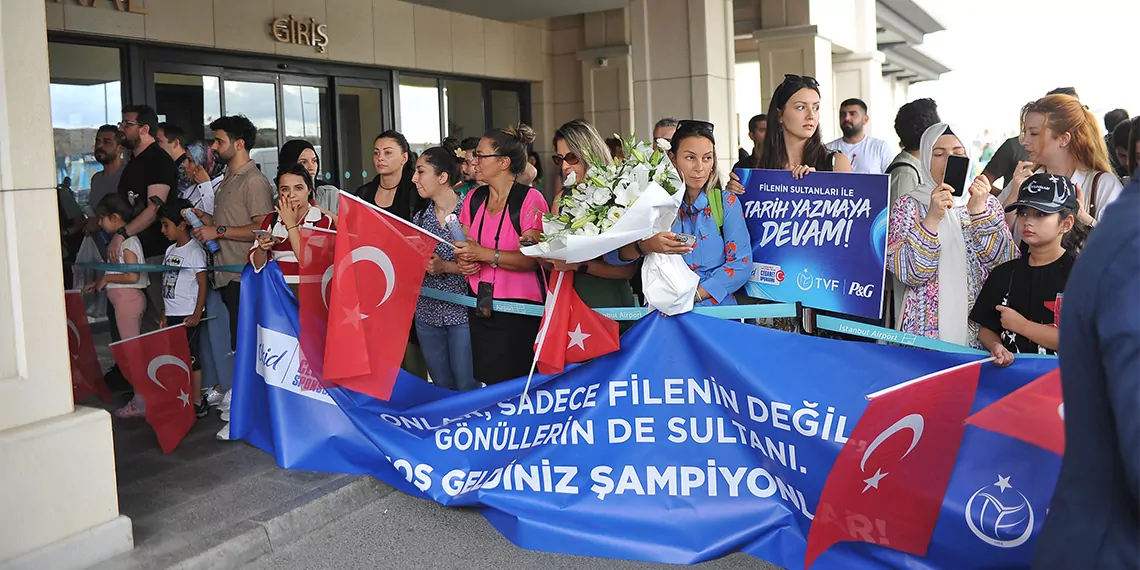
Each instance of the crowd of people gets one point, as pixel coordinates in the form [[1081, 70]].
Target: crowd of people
[[984, 268]]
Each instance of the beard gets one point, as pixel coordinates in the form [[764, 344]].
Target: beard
[[850, 130], [103, 157]]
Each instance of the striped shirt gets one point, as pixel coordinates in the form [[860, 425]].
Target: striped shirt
[[282, 251]]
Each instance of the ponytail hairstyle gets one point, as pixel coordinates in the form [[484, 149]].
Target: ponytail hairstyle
[[1074, 240], [443, 160], [1065, 114], [512, 142], [775, 155], [702, 129]]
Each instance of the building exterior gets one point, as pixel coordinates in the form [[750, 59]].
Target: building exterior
[[339, 72]]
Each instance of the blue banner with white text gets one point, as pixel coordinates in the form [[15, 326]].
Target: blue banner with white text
[[820, 240], [720, 445]]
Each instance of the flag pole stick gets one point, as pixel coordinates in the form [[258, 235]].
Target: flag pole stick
[[547, 311], [384, 212], [931, 375], [204, 319]]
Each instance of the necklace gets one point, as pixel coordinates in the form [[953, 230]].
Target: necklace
[[383, 187]]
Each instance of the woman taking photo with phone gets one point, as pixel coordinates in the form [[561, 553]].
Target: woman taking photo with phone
[[942, 246], [598, 283], [1062, 137], [710, 232], [279, 238], [496, 217]]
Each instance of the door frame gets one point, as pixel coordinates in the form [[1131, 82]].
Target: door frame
[[388, 101]]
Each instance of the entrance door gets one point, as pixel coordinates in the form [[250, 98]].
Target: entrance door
[[306, 114], [364, 110]]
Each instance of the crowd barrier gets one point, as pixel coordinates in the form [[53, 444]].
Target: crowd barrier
[[733, 312]]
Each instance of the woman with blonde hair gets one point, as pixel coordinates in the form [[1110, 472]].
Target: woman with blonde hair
[[598, 283], [1063, 137]]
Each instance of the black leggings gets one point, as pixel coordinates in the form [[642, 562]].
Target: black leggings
[[231, 296]]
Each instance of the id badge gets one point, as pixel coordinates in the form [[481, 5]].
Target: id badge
[[484, 299]]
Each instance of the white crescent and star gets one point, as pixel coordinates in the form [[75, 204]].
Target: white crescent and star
[[577, 338], [1061, 411], [377, 257], [164, 360], [914, 423]]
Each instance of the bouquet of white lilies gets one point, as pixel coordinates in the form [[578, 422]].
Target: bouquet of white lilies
[[614, 206], [617, 205]]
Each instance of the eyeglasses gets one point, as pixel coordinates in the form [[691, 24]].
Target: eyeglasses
[[129, 123], [569, 158], [805, 80], [479, 157]]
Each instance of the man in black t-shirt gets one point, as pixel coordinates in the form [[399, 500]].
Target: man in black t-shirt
[[1017, 305], [145, 183]]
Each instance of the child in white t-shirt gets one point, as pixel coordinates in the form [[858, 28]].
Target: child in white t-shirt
[[125, 290], [184, 290]]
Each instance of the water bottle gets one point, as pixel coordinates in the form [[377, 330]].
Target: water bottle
[[453, 226], [194, 222]]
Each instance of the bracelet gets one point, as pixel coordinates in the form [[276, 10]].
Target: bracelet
[[289, 229], [637, 246]]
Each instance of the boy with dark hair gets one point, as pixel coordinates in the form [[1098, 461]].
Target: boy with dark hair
[[757, 131], [184, 290]]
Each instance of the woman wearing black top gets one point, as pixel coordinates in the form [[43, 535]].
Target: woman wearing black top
[[1017, 307], [392, 189]]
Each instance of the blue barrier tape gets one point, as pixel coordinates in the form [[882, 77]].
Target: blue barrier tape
[[623, 313], [151, 267], [873, 332]]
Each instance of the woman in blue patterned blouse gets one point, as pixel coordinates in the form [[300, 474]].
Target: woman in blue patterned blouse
[[442, 327], [721, 254]]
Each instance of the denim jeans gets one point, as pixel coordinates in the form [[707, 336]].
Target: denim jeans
[[447, 351]]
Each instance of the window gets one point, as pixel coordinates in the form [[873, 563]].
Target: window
[[420, 112], [505, 108], [258, 102], [304, 107], [86, 93], [463, 101]]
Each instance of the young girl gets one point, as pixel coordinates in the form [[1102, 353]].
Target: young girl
[[125, 291], [1017, 307]]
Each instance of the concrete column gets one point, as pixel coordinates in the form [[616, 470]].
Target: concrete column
[[683, 60], [607, 78], [57, 472], [860, 75], [799, 50]]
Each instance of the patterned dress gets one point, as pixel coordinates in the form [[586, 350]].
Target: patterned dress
[[913, 252]]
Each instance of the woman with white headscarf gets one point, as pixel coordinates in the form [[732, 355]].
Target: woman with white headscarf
[[943, 247]]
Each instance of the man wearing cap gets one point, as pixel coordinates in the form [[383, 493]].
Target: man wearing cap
[[1016, 308]]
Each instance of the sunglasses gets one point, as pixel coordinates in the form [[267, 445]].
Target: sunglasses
[[570, 158], [690, 125], [805, 80]]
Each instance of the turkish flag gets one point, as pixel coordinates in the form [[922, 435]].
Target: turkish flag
[[573, 332], [1034, 413], [887, 484], [316, 270], [86, 373], [377, 273], [158, 366]]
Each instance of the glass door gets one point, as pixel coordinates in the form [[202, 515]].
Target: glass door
[[306, 115], [255, 95], [364, 110]]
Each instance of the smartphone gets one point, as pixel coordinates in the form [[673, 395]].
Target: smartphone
[[687, 239], [957, 171], [261, 233]]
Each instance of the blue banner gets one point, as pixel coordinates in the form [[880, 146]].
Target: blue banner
[[675, 456], [821, 240]]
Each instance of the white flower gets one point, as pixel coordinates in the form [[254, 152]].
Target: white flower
[[589, 230], [600, 196], [606, 225], [663, 145], [552, 226], [614, 214], [626, 192], [570, 179]]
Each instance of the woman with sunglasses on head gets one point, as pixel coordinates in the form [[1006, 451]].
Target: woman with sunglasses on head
[[598, 283], [943, 247], [296, 208], [716, 244], [392, 189], [1063, 137], [496, 217]]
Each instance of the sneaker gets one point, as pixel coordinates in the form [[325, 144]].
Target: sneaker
[[224, 433], [130, 411], [224, 405], [226, 415], [202, 409], [213, 397]]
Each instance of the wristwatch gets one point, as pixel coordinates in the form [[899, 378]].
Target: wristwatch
[[123, 232], [221, 231], [495, 262], [584, 268]]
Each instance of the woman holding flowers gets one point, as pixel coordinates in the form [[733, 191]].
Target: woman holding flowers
[[577, 144], [721, 251]]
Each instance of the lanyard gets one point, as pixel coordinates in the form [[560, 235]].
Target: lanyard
[[498, 232]]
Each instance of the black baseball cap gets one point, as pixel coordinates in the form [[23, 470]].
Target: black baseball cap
[[1049, 193]]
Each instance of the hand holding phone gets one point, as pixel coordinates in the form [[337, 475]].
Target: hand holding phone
[[957, 172], [687, 239]]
